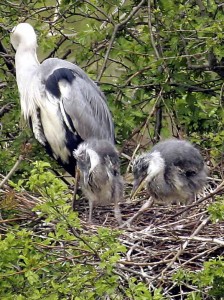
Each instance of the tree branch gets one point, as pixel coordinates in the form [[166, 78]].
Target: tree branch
[[8, 63], [117, 27]]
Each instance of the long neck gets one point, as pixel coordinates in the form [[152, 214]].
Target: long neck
[[26, 64], [156, 173], [26, 72]]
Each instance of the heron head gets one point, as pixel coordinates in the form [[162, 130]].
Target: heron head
[[87, 160], [191, 178], [145, 168], [23, 34]]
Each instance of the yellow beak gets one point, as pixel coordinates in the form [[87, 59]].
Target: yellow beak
[[137, 188]]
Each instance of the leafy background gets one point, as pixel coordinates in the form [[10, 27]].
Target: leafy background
[[161, 67]]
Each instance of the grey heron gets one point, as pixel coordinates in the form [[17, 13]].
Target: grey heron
[[99, 167], [62, 104], [173, 171]]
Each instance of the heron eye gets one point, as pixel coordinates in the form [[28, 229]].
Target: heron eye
[[81, 157], [190, 173]]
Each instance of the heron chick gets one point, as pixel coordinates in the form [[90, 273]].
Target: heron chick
[[100, 179], [63, 106], [173, 171]]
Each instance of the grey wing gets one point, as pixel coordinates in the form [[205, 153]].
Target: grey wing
[[82, 104], [108, 154], [180, 153], [112, 164], [88, 111]]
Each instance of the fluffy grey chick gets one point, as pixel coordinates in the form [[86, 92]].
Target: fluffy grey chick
[[173, 171], [100, 179]]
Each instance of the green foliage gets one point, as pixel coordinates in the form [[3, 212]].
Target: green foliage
[[165, 57], [173, 63], [209, 281], [138, 291], [65, 262], [213, 275], [216, 210], [211, 278]]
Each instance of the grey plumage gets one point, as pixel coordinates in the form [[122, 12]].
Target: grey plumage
[[173, 170], [83, 102], [100, 178], [62, 104]]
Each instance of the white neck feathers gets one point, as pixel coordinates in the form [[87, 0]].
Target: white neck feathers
[[26, 67], [156, 166], [94, 159]]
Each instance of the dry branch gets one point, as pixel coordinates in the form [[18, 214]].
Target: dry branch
[[161, 242]]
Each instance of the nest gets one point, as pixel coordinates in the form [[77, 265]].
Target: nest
[[161, 241]]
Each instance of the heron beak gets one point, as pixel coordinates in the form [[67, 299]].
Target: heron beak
[[77, 177], [137, 187], [86, 178]]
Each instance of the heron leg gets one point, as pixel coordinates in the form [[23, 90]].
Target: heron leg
[[117, 213], [117, 197], [191, 199], [144, 207], [77, 177], [90, 211]]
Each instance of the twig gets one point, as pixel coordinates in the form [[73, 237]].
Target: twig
[[144, 207], [146, 124], [203, 239], [21, 158], [150, 31], [217, 189], [117, 27], [184, 245], [77, 178]]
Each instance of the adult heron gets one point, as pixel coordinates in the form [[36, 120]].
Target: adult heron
[[173, 171], [62, 104], [99, 167]]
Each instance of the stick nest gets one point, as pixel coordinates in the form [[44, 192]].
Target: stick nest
[[161, 241]]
